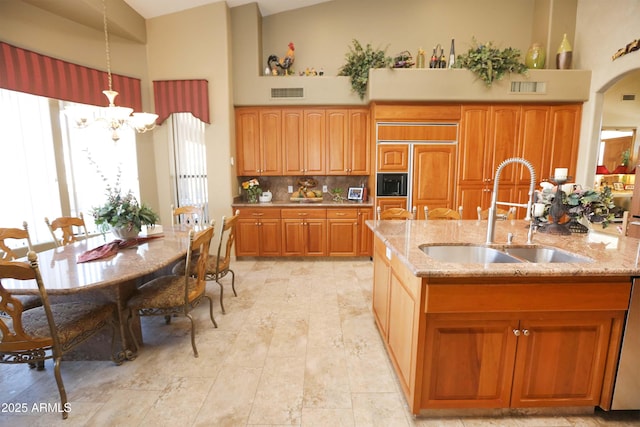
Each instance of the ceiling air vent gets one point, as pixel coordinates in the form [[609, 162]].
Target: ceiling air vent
[[528, 87], [628, 97], [287, 92]]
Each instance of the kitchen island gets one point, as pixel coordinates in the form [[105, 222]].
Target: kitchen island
[[501, 335]]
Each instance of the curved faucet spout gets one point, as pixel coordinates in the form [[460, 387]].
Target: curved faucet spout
[[491, 221]]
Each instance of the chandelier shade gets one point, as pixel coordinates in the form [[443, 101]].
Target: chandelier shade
[[602, 170], [620, 169], [112, 116]]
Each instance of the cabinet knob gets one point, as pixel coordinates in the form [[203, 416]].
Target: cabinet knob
[[516, 332], [525, 332]]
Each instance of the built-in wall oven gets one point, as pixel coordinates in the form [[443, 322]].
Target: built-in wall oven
[[392, 184]]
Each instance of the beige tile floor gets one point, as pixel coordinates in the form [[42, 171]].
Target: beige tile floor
[[298, 346]]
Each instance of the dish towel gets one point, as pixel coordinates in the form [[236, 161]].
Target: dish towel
[[110, 249]]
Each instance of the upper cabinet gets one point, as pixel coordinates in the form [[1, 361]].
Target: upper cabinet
[[348, 142], [259, 142], [303, 141]]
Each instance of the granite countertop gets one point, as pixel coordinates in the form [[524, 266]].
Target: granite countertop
[[611, 255], [302, 204]]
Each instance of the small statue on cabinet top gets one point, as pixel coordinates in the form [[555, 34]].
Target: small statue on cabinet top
[[283, 63]]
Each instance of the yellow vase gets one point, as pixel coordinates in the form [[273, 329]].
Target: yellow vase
[[564, 55]]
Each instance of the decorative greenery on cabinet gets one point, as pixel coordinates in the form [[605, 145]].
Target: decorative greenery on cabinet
[[490, 63], [359, 61]]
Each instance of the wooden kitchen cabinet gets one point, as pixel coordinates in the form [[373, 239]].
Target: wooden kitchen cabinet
[[258, 140], [434, 177], [348, 142], [304, 232], [303, 141], [391, 202], [532, 361], [342, 232], [258, 232], [381, 286], [365, 235], [393, 157]]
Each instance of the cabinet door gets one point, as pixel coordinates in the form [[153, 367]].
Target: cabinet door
[[365, 235], [503, 143], [269, 237], [292, 237], [248, 141], [393, 157], [561, 359], [314, 142], [359, 142], [271, 142], [474, 128], [433, 176], [292, 142], [315, 237], [391, 202], [246, 242], [338, 150], [469, 362], [342, 236], [564, 136], [381, 287]]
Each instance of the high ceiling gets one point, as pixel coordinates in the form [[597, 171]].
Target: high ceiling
[[152, 8]]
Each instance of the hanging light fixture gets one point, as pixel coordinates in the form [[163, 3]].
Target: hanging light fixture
[[115, 117]]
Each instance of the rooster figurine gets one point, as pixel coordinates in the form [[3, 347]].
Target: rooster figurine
[[283, 63]]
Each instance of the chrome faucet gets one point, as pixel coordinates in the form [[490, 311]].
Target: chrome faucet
[[491, 220]]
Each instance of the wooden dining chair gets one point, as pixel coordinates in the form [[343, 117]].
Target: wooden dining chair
[[187, 215], [52, 330], [442, 213], [8, 254], [395, 213], [71, 227], [218, 266], [500, 213], [176, 295]]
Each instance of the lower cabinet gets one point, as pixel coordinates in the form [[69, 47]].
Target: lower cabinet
[[499, 342], [303, 232], [312, 231], [258, 232]]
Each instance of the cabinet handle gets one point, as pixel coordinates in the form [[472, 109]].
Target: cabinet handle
[[302, 214], [516, 332], [258, 214], [340, 214], [525, 332]]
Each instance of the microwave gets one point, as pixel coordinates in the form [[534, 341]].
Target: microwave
[[391, 184]]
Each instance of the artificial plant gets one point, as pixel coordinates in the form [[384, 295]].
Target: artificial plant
[[490, 63], [359, 61]]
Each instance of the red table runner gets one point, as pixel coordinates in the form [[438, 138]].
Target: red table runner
[[110, 249]]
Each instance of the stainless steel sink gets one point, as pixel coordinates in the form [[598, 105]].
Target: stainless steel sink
[[467, 254], [544, 254]]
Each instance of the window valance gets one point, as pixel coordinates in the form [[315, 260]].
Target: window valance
[[181, 96], [30, 72]]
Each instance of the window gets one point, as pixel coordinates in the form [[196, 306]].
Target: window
[[46, 164], [189, 161]]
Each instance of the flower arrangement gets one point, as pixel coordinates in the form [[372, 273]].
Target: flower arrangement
[[252, 187], [594, 206], [123, 212], [490, 63]]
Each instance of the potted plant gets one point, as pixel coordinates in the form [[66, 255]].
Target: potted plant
[[123, 215], [490, 63], [359, 61]]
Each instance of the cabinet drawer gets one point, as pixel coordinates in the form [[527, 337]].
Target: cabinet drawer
[[310, 213], [342, 213], [259, 213]]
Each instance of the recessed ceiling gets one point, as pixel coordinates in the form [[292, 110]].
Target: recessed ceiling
[[152, 8]]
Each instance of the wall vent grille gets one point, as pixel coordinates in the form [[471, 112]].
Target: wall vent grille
[[287, 92], [528, 87], [630, 97]]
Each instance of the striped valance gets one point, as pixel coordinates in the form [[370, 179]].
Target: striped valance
[[181, 96], [25, 71]]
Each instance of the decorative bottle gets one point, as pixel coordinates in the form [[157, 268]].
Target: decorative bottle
[[433, 62], [535, 57], [421, 58], [452, 54], [564, 55]]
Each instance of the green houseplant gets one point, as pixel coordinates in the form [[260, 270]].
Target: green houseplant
[[490, 63], [123, 214], [359, 61]]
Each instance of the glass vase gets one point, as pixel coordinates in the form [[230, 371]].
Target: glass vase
[[535, 57], [252, 197]]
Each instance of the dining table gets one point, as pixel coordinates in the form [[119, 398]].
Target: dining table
[[68, 274]]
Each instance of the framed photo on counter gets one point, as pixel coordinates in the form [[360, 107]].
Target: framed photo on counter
[[355, 193], [618, 186]]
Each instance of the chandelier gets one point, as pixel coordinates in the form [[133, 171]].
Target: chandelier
[[113, 116]]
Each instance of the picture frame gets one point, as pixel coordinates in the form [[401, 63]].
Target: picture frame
[[355, 193], [618, 186], [629, 186]]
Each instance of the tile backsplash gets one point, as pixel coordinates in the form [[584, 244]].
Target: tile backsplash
[[278, 185]]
